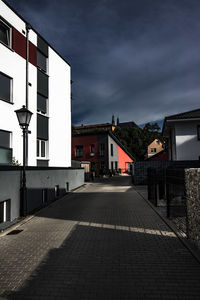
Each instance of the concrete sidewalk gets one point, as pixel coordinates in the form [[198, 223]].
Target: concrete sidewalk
[[101, 242]]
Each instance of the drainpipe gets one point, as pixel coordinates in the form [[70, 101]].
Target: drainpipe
[[28, 27]]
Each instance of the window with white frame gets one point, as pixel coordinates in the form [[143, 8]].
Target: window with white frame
[[153, 150], [5, 33], [5, 87], [41, 148]]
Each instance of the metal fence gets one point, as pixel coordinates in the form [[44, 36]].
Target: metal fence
[[156, 185], [168, 185]]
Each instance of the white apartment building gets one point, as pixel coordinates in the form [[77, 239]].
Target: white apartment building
[[49, 90], [183, 133]]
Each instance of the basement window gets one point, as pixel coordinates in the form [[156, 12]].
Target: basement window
[[5, 211]]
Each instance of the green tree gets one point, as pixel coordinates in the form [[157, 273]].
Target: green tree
[[136, 139]]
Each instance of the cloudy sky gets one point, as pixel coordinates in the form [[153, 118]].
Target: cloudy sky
[[136, 59]]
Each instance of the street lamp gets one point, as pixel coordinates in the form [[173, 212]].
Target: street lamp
[[24, 117]]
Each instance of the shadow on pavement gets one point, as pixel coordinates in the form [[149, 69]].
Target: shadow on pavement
[[117, 247], [105, 208], [97, 263]]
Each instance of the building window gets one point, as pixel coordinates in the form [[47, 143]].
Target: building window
[[116, 165], [158, 142], [41, 148], [112, 166], [41, 104], [5, 150], [79, 151], [42, 83], [41, 61], [153, 150], [5, 33], [102, 149], [5, 87], [92, 149], [5, 139], [198, 132], [111, 149], [42, 127]]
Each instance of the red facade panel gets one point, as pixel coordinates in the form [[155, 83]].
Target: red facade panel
[[19, 46], [123, 160], [32, 54], [19, 43], [86, 142]]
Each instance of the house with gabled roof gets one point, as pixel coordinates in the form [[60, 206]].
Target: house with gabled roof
[[103, 150], [183, 133]]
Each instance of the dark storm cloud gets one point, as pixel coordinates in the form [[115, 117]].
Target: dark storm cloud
[[137, 59]]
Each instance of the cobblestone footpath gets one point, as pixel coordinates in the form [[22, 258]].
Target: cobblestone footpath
[[101, 242]]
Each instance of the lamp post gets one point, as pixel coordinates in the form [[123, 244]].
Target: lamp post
[[24, 117]]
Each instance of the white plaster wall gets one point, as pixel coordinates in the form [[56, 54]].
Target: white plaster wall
[[59, 111], [187, 145], [113, 158], [32, 138], [16, 21], [14, 66]]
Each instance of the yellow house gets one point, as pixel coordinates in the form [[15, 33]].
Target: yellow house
[[155, 147]]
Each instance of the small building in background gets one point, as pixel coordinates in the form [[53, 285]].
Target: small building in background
[[183, 133], [160, 156], [104, 152], [130, 124], [93, 128], [154, 148]]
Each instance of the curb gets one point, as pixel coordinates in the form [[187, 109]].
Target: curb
[[190, 247]]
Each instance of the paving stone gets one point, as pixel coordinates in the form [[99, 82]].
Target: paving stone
[[101, 242]]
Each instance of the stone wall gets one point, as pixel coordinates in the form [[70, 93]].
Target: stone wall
[[192, 181]]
